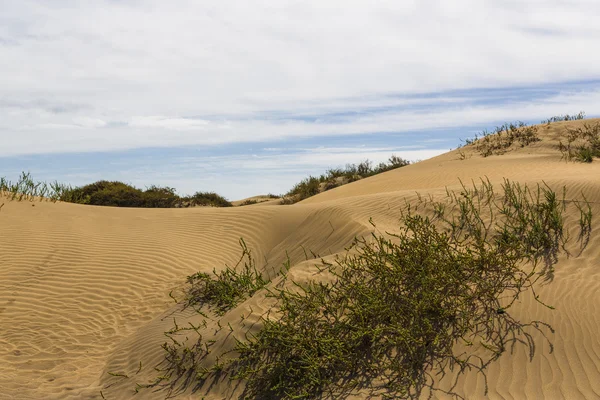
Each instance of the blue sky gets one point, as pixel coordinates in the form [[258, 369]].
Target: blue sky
[[247, 98]]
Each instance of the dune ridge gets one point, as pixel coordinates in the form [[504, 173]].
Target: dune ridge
[[84, 290]]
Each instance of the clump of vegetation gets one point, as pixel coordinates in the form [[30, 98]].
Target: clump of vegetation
[[249, 202], [218, 292], [566, 117], [222, 291], [340, 176], [502, 138], [205, 199], [582, 143], [108, 193], [386, 316], [25, 188]]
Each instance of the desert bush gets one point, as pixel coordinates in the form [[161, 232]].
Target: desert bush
[[335, 177], [208, 199], [582, 143], [249, 202], [105, 193], [401, 302], [160, 197], [304, 189], [387, 315], [502, 138]]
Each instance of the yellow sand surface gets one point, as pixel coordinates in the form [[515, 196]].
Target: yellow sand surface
[[84, 290]]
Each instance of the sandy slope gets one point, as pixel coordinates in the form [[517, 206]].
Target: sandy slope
[[84, 291]]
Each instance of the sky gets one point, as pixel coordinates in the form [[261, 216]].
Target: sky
[[249, 97]]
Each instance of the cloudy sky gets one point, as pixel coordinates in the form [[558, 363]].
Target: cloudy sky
[[248, 97]]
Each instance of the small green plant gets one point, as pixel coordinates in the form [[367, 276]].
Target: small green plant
[[223, 290]]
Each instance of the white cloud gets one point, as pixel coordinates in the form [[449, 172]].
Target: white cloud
[[58, 133], [167, 123], [107, 75], [86, 122]]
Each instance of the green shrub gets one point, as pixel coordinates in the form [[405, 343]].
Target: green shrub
[[249, 202], [208, 199], [582, 143], [388, 314], [116, 194], [399, 304], [306, 188], [160, 197], [335, 177], [224, 290]]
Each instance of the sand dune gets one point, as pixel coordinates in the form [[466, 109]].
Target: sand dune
[[84, 291]]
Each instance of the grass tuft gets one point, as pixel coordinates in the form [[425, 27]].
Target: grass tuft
[[223, 290]]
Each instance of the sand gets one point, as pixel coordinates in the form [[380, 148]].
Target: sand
[[84, 290]]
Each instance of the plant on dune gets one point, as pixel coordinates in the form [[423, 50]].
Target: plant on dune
[[386, 317], [249, 202], [223, 290], [582, 143], [25, 188], [107, 193], [208, 199], [502, 138], [566, 117], [400, 302], [335, 177], [218, 292]]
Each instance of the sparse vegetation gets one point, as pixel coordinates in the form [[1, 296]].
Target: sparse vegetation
[[566, 117], [503, 137], [25, 188], [340, 176], [582, 143], [249, 202], [107, 193], [387, 315]]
